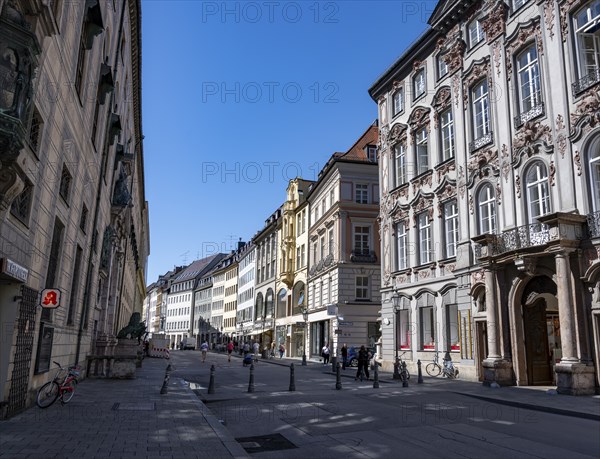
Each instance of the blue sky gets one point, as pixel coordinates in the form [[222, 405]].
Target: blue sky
[[240, 97]]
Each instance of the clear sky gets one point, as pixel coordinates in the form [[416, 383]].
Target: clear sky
[[239, 97]]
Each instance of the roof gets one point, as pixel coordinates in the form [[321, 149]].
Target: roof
[[198, 267]]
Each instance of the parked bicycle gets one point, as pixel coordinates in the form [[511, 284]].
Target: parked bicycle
[[447, 369], [62, 386], [402, 370]]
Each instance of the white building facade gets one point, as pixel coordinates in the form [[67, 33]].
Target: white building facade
[[246, 286]]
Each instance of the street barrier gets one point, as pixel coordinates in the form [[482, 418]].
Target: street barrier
[[211, 383], [165, 387], [376, 376], [338, 377], [251, 382]]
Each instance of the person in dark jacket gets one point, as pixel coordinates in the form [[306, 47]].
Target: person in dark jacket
[[363, 362], [344, 356]]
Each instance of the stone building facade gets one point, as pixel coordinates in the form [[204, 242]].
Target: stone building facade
[[489, 146], [73, 215]]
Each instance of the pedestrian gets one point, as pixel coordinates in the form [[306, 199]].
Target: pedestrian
[[272, 352], [229, 350], [204, 349], [246, 348], [255, 349], [325, 354], [363, 363], [281, 350], [344, 355]]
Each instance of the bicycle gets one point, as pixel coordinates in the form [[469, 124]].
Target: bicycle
[[60, 387], [401, 364], [435, 369]]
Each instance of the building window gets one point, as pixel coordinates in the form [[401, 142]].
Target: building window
[[21, 205], [587, 43], [530, 93], [362, 288], [476, 34], [442, 66], [518, 4], [298, 260], [361, 193], [404, 329], [331, 243], [398, 101], [79, 69], [331, 197], [53, 262], [422, 153], [487, 210], [538, 193], [35, 132], [447, 134], [83, 219], [400, 164], [427, 328], [371, 155], [419, 86], [65, 184], [481, 109], [425, 242], [401, 246], [451, 228], [594, 172], [452, 339], [322, 245], [361, 239]]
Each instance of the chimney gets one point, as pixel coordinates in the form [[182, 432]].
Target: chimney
[[240, 244]]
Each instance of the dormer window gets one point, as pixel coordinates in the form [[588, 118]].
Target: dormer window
[[371, 155]]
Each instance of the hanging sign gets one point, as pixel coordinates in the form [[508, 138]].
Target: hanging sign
[[50, 298]]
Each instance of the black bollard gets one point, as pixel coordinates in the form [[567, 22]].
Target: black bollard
[[420, 376], [338, 377], [211, 383], [251, 382], [292, 378], [165, 387], [376, 377], [404, 378], [396, 369]]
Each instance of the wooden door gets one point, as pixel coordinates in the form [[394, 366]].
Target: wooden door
[[539, 367]]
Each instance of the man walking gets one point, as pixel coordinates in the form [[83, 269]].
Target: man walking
[[344, 355], [204, 349], [363, 363], [229, 350]]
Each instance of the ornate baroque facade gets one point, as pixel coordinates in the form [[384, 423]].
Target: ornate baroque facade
[[489, 151]]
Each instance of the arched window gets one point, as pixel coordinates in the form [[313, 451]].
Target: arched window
[[528, 69], [594, 174], [258, 310], [538, 193], [486, 206]]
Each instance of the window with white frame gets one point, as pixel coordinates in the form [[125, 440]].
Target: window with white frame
[[476, 34], [450, 228], [481, 109], [298, 260], [528, 69], [442, 66], [516, 4], [419, 86], [398, 101], [422, 151], [322, 244], [400, 176], [594, 175], [331, 243], [303, 255], [486, 203], [425, 241], [361, 193], [331, 197], [452, 335], [372, 153], [401, 246], [404, 329], [362, 288], [538, 193], [447, 134], [362, 236], [587, 41], [427, 328]]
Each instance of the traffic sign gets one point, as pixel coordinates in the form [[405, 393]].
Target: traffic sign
[[50, 298]]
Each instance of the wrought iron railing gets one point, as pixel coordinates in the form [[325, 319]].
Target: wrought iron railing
[[522, 237], [586, 82], [593, 222], [534, 112], [481, 141], [363, 256]]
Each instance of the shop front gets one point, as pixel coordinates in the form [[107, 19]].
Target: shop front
[[319, 336]]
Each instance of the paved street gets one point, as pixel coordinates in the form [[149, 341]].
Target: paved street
[[131, 419]]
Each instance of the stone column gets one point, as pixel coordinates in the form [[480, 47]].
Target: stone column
[[491, 307], [565, 308]]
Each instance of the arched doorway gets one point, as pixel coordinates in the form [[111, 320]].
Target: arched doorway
[[541, 330]]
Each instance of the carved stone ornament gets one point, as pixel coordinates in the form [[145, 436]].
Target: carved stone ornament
[[383, 142], [518, 186], [447, 192], [497, 51], [532, 138], [397, 133], [505, 166], [471, 205], [387, 276], [421, 181], [494, 24], [499, 193], [560, 122], [565, 11], [417, 64], [549, 17], [419, 118], [455, 88], [483, 164], [442, 99], [478, 277], [577, 161], [477, 71], [454, 56], [519, 37], [445, 170], [587, 114], [561, 143], [461, 182], [552, 173]]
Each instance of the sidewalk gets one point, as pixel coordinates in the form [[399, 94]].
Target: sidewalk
[[543, 399], [121, 419]]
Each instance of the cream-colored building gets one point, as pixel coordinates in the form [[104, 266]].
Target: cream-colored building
[[489, 145], [73, 215]]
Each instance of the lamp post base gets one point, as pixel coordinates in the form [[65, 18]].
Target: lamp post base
[[303, 360], [397, 369]]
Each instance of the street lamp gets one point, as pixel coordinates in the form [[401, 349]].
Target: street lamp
[[262, 319], [396, 302], [305, 317]]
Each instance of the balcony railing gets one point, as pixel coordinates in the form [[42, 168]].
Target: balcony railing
[[586, 82], [523, 237], [481, 142], [593, 222], [363, 256], [534, 112]]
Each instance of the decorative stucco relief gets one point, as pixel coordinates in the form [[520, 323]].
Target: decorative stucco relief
[[549, 17], [586, 115], [477, 71], [483, 164], [532, 138], [519, 37], [565, 10], [494, 24]]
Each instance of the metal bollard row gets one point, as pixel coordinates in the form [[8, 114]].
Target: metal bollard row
[[165, 387], [211, 384]]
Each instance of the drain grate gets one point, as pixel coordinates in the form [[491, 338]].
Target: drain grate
[[147, 406], [273, 442]]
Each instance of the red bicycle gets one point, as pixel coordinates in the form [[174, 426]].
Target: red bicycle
[[60, 386]]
